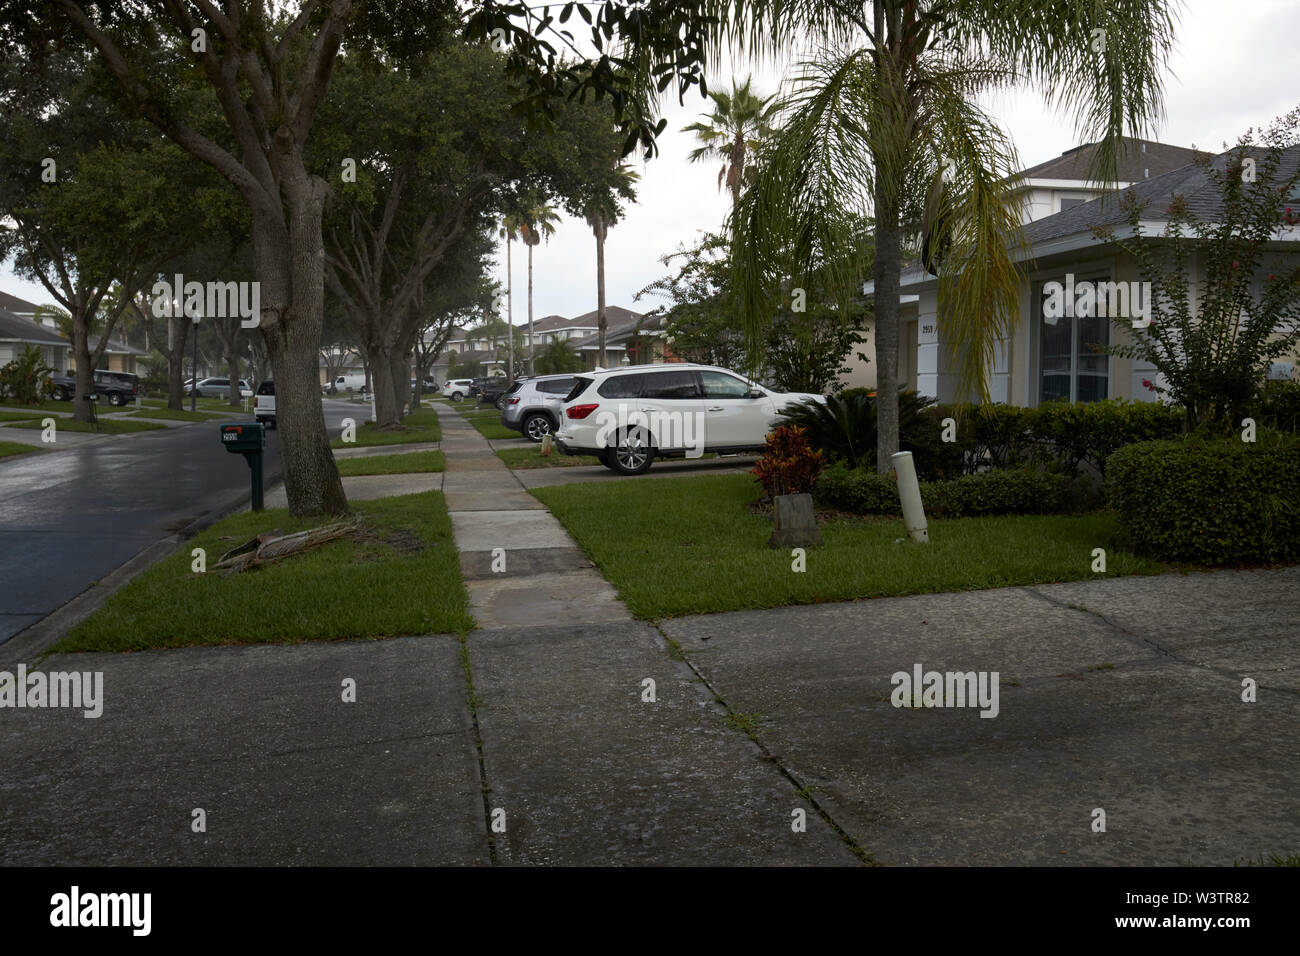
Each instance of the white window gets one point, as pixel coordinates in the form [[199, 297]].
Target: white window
[[1071, 361]]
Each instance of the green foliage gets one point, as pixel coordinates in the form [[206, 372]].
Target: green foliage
[[154, 368], [1210, 501], [1278, 406], [1010, 491], [1093, 431], [557, 358], [1213, 348], [25, 380], [789, 465], [801, 351], [845, 427]]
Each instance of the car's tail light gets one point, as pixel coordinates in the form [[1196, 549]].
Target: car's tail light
[[579, 412], [512, 401]]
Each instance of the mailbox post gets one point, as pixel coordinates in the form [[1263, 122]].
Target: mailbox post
[[247, 439]]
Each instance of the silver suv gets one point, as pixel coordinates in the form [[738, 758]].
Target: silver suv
[[534, 405]]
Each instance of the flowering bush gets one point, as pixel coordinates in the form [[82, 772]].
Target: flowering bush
[[789, 465]]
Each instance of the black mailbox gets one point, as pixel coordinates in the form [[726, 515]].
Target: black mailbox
[[247, 439]]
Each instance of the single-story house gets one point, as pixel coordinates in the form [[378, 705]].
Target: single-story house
[[17, 333], [1050, 356]]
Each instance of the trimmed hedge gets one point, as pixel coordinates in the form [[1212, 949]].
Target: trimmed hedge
[[1011, 491], [1055, 432], [1210, 501], [1278, 406]]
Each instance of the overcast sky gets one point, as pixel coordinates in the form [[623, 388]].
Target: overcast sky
[[1235, 67]]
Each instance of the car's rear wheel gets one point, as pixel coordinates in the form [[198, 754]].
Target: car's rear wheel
[[63, 395], [536, 427], [633, 454], [116, 398], [457, 396]]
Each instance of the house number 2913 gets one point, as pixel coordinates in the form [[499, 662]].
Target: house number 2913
[[927, 330]]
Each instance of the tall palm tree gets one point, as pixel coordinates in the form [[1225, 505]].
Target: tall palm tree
[[733, 132], [601, 212], [885, 124], [511, 226], [539, 221]]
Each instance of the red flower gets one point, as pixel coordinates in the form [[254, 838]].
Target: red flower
[[1236, 264], [1148, 384]]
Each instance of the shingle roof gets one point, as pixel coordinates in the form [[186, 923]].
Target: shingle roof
[[1191, 181], [14, 328], [16, 305], [550, 323], [1132, 163]]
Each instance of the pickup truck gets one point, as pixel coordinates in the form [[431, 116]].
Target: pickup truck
[[264, 403]]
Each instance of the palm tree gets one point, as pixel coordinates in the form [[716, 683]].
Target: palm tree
[[512, 225], [733, 132], [538, 223], [602, 211], [885, 124]]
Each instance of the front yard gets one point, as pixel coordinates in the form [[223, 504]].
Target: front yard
[[420, 426], [400, 576], [691, 546]]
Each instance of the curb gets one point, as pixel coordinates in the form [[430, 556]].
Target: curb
[[32, 643]]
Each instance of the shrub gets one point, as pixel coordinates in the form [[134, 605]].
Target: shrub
[[1278, 406], [1010, 491], [1210, 501], [26, 378], [844, 428], [789, 465], [1093, 431]]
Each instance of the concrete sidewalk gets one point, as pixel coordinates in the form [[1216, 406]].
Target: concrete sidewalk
[[521, 568], [1120, 695]]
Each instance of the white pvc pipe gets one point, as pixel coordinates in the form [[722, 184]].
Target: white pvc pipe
[[909, 493]]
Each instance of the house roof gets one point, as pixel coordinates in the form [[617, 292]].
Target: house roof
[[1191, 181], [14, 328], [1137, 160], [20, 307], [619, 331], [550, 323]]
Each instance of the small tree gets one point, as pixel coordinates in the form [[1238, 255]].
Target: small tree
[[26, 379], [557, 358], [1214, 348]]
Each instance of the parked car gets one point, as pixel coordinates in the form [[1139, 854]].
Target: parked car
[[62, 386], [430, 387], [218, 388], [456, 388], [264, 403], [534, 406], [493, 390], [116, 388], [627, 417]]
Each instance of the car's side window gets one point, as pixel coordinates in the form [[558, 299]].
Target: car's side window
[[622, 386], [722, 385], [560, 386], [671, 385]]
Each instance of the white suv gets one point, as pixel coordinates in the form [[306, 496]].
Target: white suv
[[627, 417], [456, 388]]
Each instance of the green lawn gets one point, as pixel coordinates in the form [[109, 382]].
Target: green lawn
[[10, 448], [421, 426], [409, 463], [487, 419], [171, 415], [107, 426], [19, 416], [403, 577], [50, 406], [531, 457], [689, 546]]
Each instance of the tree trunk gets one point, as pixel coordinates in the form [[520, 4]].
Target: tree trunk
[[381, 383], [531, 364], [600, 287], [232, 361], [510, 312], [178, 334], [290, 269], [401, 372], [85, 369], [887, 266]]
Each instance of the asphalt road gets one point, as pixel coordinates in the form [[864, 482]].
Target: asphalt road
[[68, 518]]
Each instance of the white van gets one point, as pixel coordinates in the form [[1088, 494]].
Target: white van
[[264, 403], [354, 382]]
